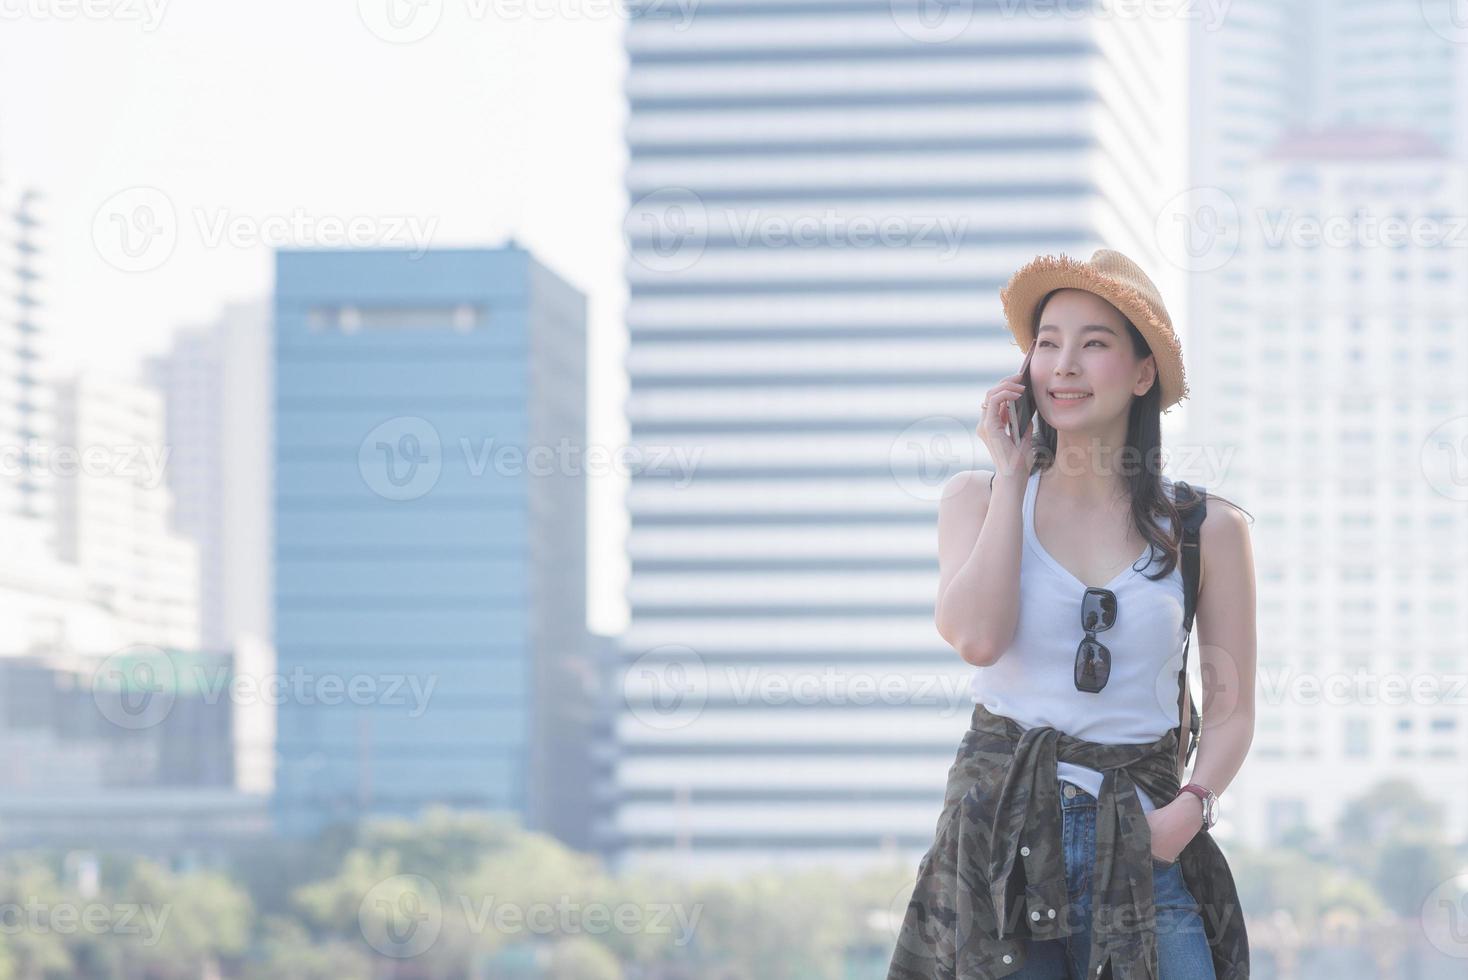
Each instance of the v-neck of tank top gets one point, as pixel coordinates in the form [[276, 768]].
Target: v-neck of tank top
[[1031, 492]]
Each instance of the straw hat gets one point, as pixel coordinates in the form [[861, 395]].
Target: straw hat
[[1119, 281]]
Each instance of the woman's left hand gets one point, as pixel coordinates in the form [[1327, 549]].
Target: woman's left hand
[[1174, 825]]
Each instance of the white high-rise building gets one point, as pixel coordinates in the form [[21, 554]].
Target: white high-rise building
[[1347, 375], [823, 207], [113, 510], [1250, 79], [26, 398], [1385, 62], [43, 603], [1297, 115], [216, 385]]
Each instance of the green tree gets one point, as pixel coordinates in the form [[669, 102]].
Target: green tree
[[34, 945], [582, 958], [179, 926], [286, 951]]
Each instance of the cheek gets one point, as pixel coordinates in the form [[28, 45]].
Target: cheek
[[1111, 371]]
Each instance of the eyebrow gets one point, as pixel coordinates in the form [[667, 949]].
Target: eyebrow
[[1090, 326]]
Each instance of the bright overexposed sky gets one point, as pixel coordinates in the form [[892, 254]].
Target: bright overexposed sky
[[176, 141]]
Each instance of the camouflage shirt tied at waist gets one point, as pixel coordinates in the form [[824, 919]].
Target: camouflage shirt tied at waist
[[995, 875]]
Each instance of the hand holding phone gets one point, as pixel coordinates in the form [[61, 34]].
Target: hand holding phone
[[1023, 407], [1007, 414]]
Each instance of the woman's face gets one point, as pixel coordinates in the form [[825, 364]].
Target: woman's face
[[1082, 346]]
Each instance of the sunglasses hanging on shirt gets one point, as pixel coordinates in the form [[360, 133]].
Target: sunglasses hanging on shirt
[[1093, 659]]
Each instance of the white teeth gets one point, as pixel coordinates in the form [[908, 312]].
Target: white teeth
[[1069, 398]]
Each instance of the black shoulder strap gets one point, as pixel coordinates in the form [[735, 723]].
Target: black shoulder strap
[[1192, 517]]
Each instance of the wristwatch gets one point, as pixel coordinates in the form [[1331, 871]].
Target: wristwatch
[[1210, 803]]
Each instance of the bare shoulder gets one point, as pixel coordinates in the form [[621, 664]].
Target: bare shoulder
[[966, 492], [1224, 542], [961, 512]]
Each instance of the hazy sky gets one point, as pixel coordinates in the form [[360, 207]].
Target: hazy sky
[[219, 130]]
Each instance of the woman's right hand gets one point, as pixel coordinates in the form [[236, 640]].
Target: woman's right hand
[[1010, 459]]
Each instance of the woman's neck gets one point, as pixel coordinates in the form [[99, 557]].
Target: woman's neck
[[1089, 470]]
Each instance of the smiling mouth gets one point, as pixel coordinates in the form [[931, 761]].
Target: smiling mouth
[[1063, 397]]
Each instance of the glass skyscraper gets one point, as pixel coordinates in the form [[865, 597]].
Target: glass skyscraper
[[429, 569]]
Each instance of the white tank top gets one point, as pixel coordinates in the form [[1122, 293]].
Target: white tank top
[[1033, 682]]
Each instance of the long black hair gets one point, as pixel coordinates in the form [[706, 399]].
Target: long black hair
[[1149, 498]]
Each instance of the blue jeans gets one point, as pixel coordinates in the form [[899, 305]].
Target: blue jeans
[[1182, 943]]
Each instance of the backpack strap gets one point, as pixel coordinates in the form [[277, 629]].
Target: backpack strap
[[1189, 722]]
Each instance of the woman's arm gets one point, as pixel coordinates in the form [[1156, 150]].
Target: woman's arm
[[1227, 646], [978, 563]]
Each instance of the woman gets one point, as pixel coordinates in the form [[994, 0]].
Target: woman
[[1060, 581]]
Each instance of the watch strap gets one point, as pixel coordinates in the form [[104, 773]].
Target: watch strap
[[1209, 800]]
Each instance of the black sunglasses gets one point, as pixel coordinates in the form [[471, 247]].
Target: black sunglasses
[[1093, 660]]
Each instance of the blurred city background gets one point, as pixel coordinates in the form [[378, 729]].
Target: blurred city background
[[470, 469]]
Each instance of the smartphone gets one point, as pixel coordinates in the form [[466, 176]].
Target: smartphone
[[1023, 407]]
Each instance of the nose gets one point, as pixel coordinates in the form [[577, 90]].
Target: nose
[[1065, 367]]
